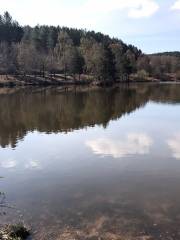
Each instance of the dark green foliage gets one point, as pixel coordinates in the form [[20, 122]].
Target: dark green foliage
[[10, 31], [75, 61], [14, 232], [18, 231]]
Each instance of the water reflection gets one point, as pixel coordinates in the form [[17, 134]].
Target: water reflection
[[32, 165], [47, 110], [174, 145], [7, 163], [134, 143], [52, 143], [27, 164]]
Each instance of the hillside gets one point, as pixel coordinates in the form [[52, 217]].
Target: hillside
[[62, 55], [172, 54]]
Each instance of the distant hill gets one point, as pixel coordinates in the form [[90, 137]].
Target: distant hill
[[172, 54]]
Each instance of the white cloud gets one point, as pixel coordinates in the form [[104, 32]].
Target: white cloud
[[9, 163], [174, 145], [176, 5], [76, 15], [135, 143], [135, 9]]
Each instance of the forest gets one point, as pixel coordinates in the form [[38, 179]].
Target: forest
[[62, 54]]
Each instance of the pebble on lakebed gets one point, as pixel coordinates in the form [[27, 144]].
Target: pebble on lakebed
[[14, 232]]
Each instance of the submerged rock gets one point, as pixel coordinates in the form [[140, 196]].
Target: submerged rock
[[14, 232]]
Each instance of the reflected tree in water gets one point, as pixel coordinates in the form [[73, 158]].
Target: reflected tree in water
[[51, 111]]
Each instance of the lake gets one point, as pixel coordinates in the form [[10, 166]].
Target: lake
[[92, 163]]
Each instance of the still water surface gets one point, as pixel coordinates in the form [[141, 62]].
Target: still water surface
[[92, 164]]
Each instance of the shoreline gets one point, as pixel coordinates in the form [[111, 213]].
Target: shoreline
[[11, 81]]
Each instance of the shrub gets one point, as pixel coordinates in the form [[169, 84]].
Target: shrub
[[142, 74]]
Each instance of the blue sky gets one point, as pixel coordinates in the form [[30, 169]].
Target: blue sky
[[151, 25]]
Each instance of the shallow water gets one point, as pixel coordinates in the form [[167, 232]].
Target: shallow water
[[92, 164]]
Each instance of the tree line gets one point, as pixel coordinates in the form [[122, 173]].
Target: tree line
[[160, 66], [50, 51]]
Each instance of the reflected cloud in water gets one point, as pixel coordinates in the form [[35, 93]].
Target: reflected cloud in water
[[9, 163], [134, 143], [174, 144], [33, 165]]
